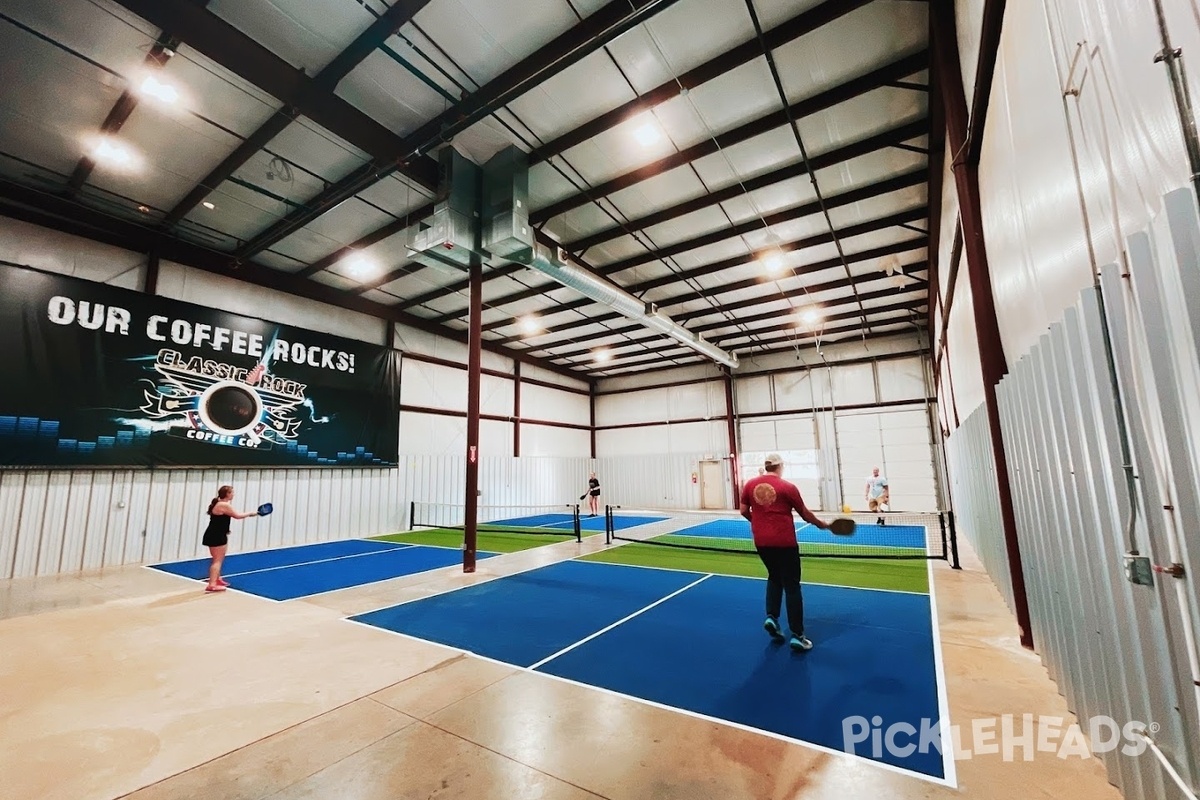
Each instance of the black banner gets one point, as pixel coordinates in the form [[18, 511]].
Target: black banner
[[92, 374]]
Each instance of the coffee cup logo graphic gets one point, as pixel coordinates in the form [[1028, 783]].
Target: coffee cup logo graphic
[[230, 408]]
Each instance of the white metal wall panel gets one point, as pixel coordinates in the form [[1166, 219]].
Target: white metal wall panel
[[435, 386], [544, 440], [82, 520], [655, 481], [854, 384], [632, 441], [801, 389], [753, 394], [552, 405], [901, 379]]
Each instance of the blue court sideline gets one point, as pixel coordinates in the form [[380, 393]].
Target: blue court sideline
[[293, 572], [695, 642]]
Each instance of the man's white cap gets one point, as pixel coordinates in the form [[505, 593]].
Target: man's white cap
[[774, 460]]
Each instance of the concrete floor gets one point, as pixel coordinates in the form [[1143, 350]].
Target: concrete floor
[[132, 683]]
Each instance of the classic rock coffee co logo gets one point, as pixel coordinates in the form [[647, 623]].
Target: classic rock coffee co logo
[[224, 404]]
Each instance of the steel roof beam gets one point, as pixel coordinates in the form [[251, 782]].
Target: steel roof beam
[[797, 169], [822, 101], [794, 28], [595, 32]]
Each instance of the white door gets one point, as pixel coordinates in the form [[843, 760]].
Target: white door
[[712, 485]]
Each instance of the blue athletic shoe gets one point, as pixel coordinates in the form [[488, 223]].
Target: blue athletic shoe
[[800, 643], [772, 627]]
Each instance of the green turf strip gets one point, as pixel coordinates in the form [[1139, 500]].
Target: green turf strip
[[908, 576], [485, 540]]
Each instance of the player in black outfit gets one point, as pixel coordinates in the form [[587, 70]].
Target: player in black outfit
[[593, 495], [216, 535]]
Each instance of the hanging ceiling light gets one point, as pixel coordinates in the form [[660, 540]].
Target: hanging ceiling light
[[810, 317], [771, 256], [530, 325]]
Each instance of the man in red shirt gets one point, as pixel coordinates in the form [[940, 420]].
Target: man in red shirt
[[768, 502]]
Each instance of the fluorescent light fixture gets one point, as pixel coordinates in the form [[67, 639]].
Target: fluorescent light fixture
[[208, 205], [112, 153], [359, 265], [647, 134], [163, 92], [529, 325], [557, 264]]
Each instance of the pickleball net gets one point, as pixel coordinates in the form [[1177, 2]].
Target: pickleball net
[[518, 520], [915, 535]]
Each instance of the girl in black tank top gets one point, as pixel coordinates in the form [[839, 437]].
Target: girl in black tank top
[[216, 535]]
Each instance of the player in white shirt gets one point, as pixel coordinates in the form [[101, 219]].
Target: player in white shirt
[[877, 493]]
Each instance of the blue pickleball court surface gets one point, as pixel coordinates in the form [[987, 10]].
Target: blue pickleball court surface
[[293, 572], [694, 642]]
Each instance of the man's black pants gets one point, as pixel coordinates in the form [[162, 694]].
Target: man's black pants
[[783, 578]]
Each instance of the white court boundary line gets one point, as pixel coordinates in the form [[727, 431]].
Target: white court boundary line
[[948, 763], [853, 757], [605, 630]]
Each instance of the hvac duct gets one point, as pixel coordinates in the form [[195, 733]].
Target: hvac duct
[[557, 266]]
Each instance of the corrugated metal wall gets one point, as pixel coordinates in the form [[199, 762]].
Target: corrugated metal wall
[[67, 521], [1115, 648], [972, 473]]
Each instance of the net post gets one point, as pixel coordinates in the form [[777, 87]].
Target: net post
[[577, 526], [607, 524], [953, 542], [942, 525], [412, 515]]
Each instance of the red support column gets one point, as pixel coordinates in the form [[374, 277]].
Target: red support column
[[731, 425], [517, 408], [987, 328], [471, 504], [592, 407]]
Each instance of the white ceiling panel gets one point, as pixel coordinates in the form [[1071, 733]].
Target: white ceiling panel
[[881, 32], [547, 186], [335, 280], [238, 211], [485, 39], [345, 224], [684, 36], [576, 95], [390, 94], [176, 149], [317, 150], [771, 199], [661, 191], [739, 96], [212, 91], [279, 261], [616, 250], [380, 297], [104, 33], [396, 195], [50, 117], [307, 35], [688, 226]]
